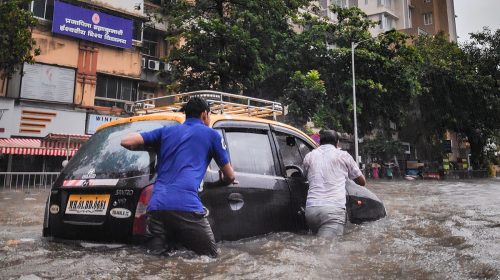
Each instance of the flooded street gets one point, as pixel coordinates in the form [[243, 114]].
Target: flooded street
[[434, 230]]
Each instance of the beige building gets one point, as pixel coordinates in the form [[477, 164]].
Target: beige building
[[414, 17], [97, 58]]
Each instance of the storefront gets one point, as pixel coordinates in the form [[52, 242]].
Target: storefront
[[38, 155]]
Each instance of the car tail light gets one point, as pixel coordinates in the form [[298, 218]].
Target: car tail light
[[139, 227]]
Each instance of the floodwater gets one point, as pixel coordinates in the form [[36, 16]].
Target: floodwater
[[434, 230]]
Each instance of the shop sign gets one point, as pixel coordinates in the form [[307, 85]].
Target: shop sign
[[91, 25], [94, 121]]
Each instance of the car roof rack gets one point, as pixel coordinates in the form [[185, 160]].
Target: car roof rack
[[220, 103]]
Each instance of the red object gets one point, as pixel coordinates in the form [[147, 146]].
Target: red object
[[139, 227], [33, 146], [315, 137]]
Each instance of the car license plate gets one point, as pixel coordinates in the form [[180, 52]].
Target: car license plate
[[87, 204]]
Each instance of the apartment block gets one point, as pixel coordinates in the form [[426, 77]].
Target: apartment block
[[413, 17]]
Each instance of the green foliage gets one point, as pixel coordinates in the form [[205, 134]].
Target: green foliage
[[16, 43], [251, 47], [383, 148], [303, 95], [230, 45], [460, 91], [386, 76]]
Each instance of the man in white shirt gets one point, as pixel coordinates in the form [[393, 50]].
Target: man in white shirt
[[327, 168]]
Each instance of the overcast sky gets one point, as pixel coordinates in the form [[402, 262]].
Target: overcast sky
[[472, 15]]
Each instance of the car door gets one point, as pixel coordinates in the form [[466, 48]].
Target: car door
[[260, 202], [292, 148]]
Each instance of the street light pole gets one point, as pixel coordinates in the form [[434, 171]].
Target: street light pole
[[353, 46], [356, 151]]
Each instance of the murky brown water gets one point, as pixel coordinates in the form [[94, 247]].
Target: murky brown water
[[434, 230]]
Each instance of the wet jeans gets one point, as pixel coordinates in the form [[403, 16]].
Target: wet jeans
[[326, 221], [191, 229]]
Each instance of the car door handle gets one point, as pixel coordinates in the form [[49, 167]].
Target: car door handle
[[235, 201], [235, 197]]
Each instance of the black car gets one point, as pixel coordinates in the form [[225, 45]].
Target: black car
[[103, 192]]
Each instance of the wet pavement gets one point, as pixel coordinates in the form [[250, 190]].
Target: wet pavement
[[434, 230]]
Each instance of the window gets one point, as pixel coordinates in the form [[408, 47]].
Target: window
[[114, 91], [428, 19], [137, 31], [43, 9], [149, 43], [341, 3], [292, 150], [250, 152], [381, 23], [109, 159]]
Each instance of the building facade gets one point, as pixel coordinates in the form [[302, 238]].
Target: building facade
[[414, 17], [96, 59]]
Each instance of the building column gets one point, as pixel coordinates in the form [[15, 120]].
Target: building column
[[86, 75]]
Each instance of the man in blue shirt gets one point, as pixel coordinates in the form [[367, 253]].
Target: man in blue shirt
[[183, 152]]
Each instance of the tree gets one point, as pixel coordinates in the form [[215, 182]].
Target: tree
[[382, 148], [460, 92], [386, 79], [16, 43], [302, 96], [230, 45]]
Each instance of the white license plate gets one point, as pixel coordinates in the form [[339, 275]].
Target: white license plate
[[87, 204]]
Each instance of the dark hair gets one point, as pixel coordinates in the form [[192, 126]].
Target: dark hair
[[328, 136], [195, 107]]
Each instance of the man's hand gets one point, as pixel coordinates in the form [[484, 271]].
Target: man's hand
[[133, 141], [226, 175]]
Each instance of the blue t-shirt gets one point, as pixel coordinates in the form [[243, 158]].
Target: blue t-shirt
[[183, 154]]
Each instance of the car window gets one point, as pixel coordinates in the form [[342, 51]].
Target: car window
[[289, 149], [104, 157], [303, 147], [292, 150], [250, 152]]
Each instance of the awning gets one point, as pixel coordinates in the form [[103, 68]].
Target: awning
[[59, 137], [31, 146]]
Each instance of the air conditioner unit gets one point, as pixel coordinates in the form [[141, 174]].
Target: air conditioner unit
[[143, 63], [153, 65]]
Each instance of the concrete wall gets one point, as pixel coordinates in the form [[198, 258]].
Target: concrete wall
[[55, 50], [135, 7], [122, 62]]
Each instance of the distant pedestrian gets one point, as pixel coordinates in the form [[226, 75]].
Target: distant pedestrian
[[375, 168], [389, 171], [327, 168]]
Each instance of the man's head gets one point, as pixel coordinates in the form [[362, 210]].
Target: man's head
[[328, 136], [197, 108]]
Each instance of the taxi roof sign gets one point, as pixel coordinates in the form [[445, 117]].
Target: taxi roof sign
[[220, 102]]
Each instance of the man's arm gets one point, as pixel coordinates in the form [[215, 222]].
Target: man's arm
[[133, 141], [353, 170], [227, 175], [360, 180]]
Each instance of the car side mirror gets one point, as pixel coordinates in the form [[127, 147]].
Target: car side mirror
[[294, 171]]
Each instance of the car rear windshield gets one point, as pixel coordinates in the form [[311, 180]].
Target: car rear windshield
[[103, 156]]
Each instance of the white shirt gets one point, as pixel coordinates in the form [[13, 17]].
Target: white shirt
[[327, 168]]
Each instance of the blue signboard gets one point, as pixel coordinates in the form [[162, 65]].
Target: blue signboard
[[91, 25]]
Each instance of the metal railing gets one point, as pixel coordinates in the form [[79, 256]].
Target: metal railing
[[27, 180], [221, 102]]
